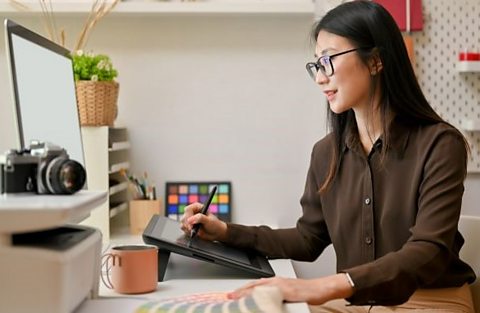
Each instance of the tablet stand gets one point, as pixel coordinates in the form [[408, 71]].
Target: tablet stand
[[163, 257]]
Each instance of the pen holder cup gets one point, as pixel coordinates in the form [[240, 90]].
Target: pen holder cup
[[141, 211]]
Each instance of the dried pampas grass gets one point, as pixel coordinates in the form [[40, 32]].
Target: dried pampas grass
[[99, 9]]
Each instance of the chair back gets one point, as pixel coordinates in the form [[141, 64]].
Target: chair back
[[469, 227]]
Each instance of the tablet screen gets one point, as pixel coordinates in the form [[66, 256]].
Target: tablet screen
[[169, 230]]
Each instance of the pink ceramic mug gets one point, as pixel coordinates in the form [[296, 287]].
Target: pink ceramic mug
[[131, 269]]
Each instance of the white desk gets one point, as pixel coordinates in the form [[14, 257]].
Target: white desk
[[187, 276]]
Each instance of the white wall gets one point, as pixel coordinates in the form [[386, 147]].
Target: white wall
[[217, 98]]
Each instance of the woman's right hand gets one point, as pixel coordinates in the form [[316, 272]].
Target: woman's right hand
[[211, 227]]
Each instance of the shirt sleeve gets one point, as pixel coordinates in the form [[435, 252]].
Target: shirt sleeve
[[305, 242], [393, 278]]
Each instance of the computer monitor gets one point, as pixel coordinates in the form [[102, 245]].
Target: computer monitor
[[43, 91]]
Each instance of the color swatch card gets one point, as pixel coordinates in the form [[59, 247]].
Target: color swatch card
[[180, 194], [264, 299]]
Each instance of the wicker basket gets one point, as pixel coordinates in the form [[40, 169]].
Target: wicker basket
[[97, 102]]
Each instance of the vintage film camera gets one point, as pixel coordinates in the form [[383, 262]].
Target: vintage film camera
[[43, 168]]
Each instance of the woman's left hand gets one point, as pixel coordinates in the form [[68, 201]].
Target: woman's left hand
[[292, 289], [313, 291]]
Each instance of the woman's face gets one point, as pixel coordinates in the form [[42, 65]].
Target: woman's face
[[349, 86]]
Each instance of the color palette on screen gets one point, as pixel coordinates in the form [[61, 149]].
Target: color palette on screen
[[180, 194]]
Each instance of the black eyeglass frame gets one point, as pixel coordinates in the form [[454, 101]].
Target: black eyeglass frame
[[327, 58]]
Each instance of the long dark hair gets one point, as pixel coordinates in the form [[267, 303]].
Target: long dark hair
[[368, 24]]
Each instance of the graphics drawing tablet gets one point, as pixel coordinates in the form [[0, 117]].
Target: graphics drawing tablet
[[165, 233]]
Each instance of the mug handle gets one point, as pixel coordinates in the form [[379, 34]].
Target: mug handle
[[105, 269]]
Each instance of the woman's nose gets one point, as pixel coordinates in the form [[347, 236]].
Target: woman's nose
[[321, 78]]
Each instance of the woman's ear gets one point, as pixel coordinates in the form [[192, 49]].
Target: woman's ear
[[375, 64]]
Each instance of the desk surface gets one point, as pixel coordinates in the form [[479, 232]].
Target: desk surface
[[189, 276]]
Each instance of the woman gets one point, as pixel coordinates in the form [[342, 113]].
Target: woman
[[384, 187]]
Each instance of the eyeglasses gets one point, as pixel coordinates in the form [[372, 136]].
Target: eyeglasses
[[325, 65]]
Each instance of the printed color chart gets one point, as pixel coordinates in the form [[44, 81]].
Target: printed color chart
[[180, 194]]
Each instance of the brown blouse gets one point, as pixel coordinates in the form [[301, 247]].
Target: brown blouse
[[392, 222]]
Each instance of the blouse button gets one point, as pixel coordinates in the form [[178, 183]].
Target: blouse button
[[367, 201], [368, 240]]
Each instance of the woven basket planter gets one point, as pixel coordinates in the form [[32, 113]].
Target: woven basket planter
[[97, 102]]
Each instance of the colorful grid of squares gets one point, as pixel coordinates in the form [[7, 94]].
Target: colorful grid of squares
[[180, 194]]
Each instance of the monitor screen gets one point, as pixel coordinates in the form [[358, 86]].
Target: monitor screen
[[44, 91]]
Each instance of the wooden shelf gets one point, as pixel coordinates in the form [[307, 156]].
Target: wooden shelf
[[118, 187], [173, 7], [106, 152], [117, 209], [117, 167], [117, 146]]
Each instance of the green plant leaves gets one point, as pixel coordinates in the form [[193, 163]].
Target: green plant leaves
[[88, 66]]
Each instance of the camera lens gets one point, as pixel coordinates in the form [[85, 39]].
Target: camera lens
[[65, 176]]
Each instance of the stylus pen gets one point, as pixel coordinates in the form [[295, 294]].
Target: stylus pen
[[196, 227]]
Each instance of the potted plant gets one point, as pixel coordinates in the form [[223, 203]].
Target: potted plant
[[97, 91]]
